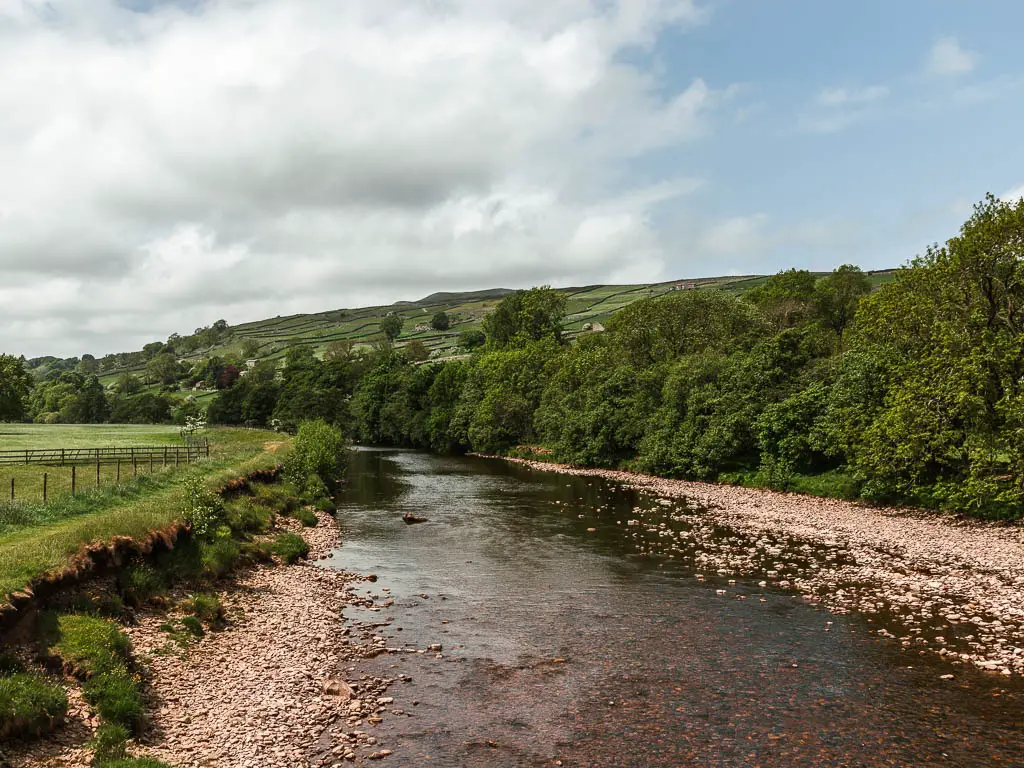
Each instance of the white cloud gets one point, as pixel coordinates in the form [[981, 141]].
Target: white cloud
[[246, 158], [1013, 196], [948, 58], [840, 97]]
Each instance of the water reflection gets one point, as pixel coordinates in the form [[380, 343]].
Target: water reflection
[[564, 641]]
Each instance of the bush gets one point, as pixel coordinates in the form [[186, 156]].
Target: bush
[[245, 516], [218, 557], [306, 516], [193, 626], [318, 449], [204, 510], [27, 702], [139, 584], [206, 607], [109, 743], [91, 644], [290, 547], [116, 697], [279, 497]]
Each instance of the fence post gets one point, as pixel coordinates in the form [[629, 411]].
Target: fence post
[[165, 455], [135, 465], [45, 477], [62, 457], [118, 471], [151, 463], [73, 479], [97, 468]]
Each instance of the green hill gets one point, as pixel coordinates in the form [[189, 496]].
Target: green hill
[[589, 307]]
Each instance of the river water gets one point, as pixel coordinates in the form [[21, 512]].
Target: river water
[[565, 642]]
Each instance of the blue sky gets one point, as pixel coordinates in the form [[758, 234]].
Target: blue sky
[[887, 175], [168, 163]]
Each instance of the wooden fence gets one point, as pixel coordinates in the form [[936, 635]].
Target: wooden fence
[[60, 457], [83, 467]]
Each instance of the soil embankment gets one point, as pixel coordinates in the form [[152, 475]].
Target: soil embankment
[[954, 587], [262, 691]]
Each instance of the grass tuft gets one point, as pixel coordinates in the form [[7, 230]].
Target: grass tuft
[[91, 644], [290, 547], [28, 702], [117, 697]]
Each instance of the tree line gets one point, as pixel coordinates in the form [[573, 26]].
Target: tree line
[[910, 393]]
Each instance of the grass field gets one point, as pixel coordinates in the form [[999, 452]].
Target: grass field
[[36, 436], [37, 538]]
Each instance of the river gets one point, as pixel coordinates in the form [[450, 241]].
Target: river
[[569, 638]]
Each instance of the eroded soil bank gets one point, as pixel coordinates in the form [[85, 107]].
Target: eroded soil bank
[[262, 691], [955, 586]]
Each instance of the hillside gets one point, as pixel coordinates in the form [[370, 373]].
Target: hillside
[[269, 339]]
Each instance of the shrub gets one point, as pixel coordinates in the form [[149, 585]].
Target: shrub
[[218, 557], [318, 449], [206, 607], [245, 516], [108, 743], [27, 702], [279, 497], [139, 584], [306, 516], [91, 644], [203, 509], [116, 697], [193, 626], [290, 547]]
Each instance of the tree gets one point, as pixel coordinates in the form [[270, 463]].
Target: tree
[[838, 296], [526, 316], [250, 348], [89, 406], [127, 384], [338, 350], [15, 385], [88, 364], [934, 409], [786, 298], [440, 321], [416, 351], [471, 340], [391, 326]]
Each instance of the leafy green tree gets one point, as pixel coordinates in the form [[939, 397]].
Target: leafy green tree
[[526, 316], [128, 384], [416, 351], [440, 321], [15, 385], [786, 298], [250, 348], [838, 296], [391, 326], [938, 413], [472, 339], [89, 405], [683, 323]]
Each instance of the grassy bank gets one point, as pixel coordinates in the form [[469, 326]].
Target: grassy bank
[[36, 436], [36, 539]]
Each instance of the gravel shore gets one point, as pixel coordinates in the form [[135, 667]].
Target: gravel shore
[[950, 587], [265, 691]]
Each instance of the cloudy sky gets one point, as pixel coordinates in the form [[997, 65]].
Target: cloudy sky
[[165, 163]]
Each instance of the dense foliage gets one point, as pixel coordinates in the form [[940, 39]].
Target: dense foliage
[[912, 393]]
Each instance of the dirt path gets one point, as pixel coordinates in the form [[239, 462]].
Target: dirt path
[[956, 586]]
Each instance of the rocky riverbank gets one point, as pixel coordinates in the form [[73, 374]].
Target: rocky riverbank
[[265, 690], [942, 585]]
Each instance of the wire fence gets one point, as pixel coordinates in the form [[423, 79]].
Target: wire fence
[[74, 470]]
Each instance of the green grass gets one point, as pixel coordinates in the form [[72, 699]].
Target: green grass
[[117, 698], [132, 762], [91, 644], [35, 540], [36, 436], [28, 701], [290, 547]]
